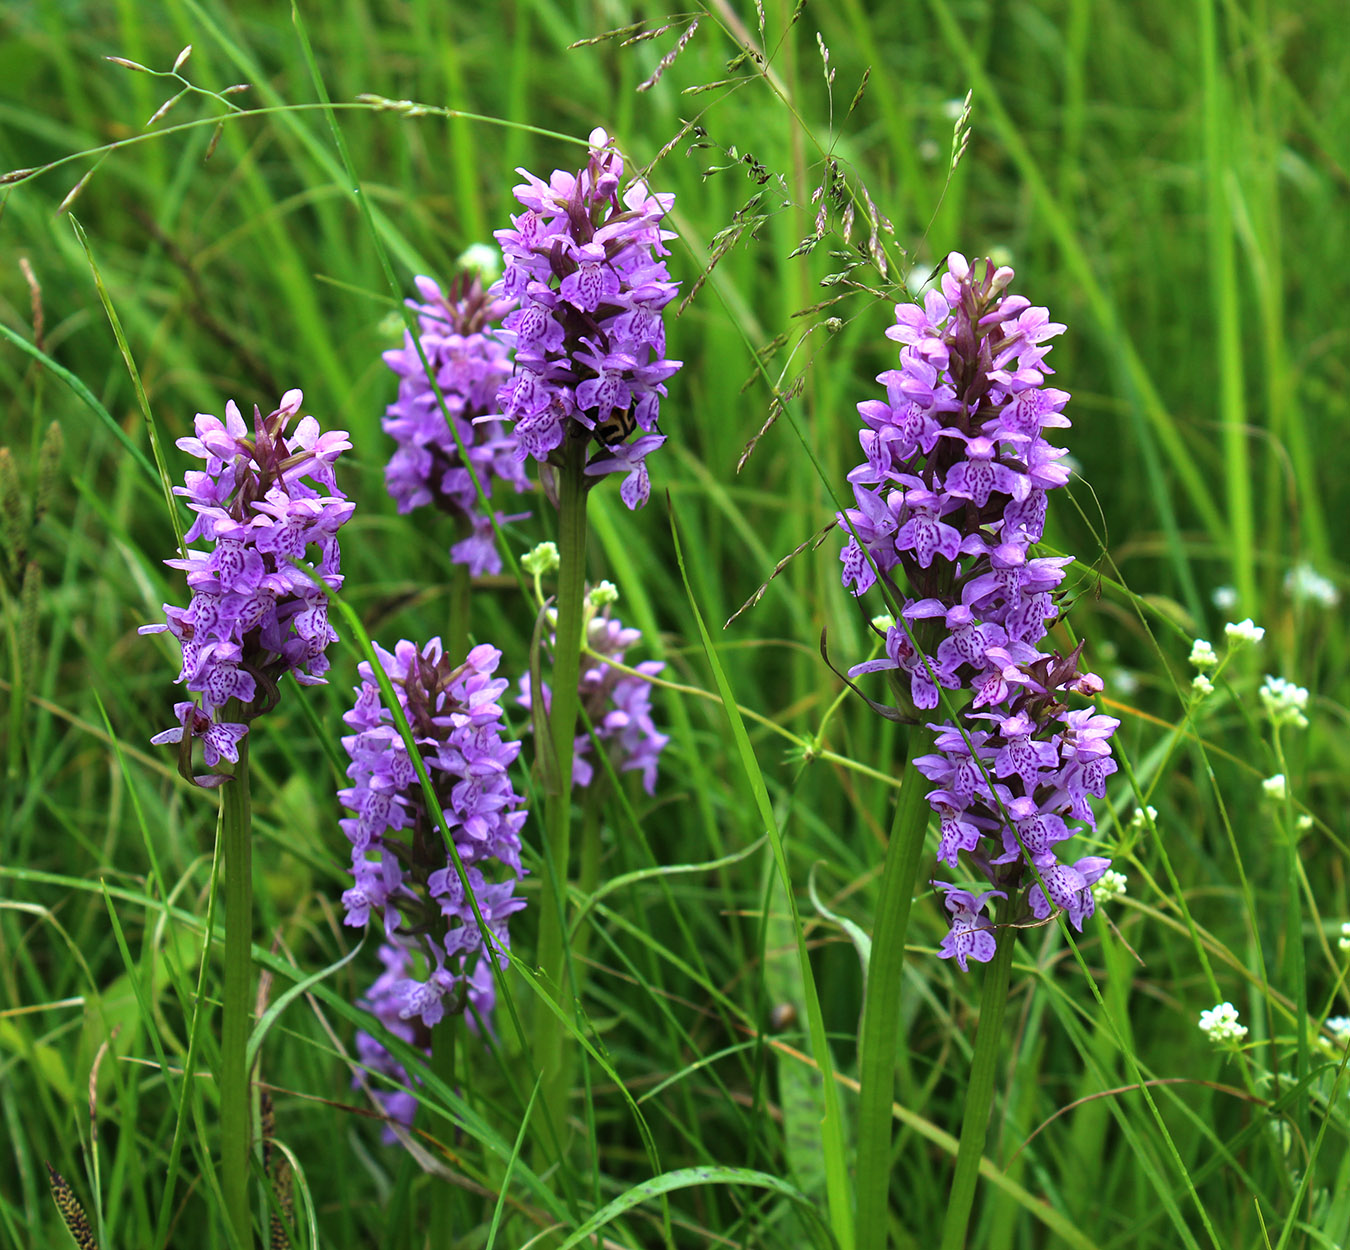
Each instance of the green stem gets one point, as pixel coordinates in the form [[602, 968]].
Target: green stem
[[980, 1092], [443, 1193], [881, 1011], [590, 875], [457, 632], [237, 857], [1296, 970], [556, 1075]]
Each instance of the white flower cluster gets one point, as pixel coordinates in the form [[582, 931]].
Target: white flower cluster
[[1276, 788], [1304, 584], [1243, 633], [1220, 1024], [1143, 817], [1343, 942], [1284, 702], [1203, 655], [1339, 1028], [1111, 885], [601, 595], [541, 559]]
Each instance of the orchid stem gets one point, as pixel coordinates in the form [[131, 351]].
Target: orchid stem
[[237, 857], [553, 950], [881, 1035], [980, 1092]]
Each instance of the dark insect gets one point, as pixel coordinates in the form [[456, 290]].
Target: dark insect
[[616, 427]]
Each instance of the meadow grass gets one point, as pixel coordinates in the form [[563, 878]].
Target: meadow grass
[[1171, 182]]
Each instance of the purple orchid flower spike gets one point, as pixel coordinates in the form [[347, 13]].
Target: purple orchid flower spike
[[458, 334], [401, 868], [585, 265], [951, 499], [617, 704], [265, 500]]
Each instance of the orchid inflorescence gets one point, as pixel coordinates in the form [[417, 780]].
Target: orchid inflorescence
[[584, 263], [403, 871], [617, 703], [263, 501], [458, 333], [950, 502]]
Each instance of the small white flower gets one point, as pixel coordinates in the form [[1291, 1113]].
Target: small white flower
[[1243, 632], [1339, 1028], [883, 622], [929, 151], [1110, 885], [1220, 1024], [1284, 702], [1224, 598], [1303, 822], [953, 108], [1304, 584], [1202, 685], [1124, 682], [603, 593], [1343, 942], [542, 559], [1276, 788], [1143, 817], [1202, 655]]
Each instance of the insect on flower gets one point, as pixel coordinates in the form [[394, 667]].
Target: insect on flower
[[616, 427]]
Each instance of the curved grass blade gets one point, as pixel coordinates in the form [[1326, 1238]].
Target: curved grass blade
[[685, 1178], [836, 1161]]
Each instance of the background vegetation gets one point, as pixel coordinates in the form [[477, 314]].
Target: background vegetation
[[1170, 180]]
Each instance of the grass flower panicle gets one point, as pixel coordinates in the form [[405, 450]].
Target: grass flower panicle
[[951, 500], [583, 261], [401, 867], [264, 500], [470, 364]]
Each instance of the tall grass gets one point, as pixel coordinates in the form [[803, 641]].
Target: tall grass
[[1170, 181]]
